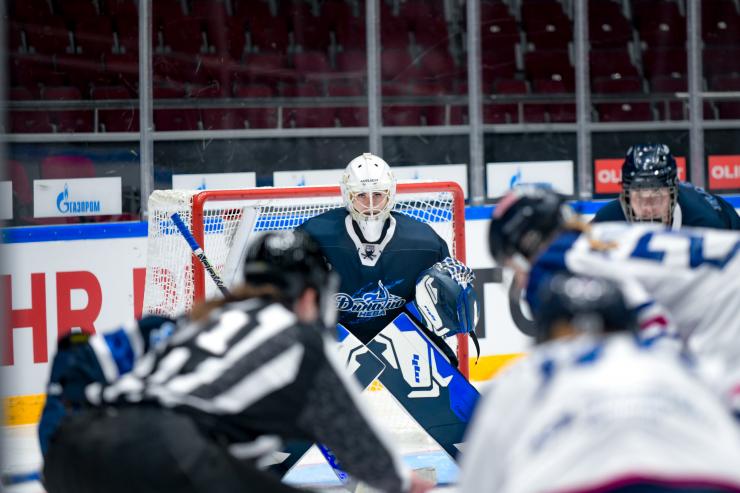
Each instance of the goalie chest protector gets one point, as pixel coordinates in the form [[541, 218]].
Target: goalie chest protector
[[377, 280]]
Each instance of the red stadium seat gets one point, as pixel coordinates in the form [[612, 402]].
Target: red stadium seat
[[50, 37], [401, 115], [546, 33], [227, 35], [29, 122], [168, 92], [184, 35], [267, 68], [94, 36], [301, 117], [723, 60], [720, 22], [68, 120], [510, 86], [726, 83], [79, 9], [353, 116], [122, 69], [29, 10], [123, 120], [218, 70], [22, 187], [498, 63], [614, 62], [32, 70], [257, 117], [224, 118], [311, 65], [500, 113], [173, 69], [660, 23], [351, 64], [351, 34], [82, 72], [607, 85], [432, 35], [397, 65], [176, 119], [624, 112], [67, 166], [553, 64], [550, 86], [608, 28], [20, 94], [269, 37], [666, 61], [439, 67], [728, 110]]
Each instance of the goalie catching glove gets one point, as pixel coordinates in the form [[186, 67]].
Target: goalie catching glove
[[446, 299]]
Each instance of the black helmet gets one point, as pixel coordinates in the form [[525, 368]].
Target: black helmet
[[523, 220], [590, 304], [288, 260], [649, 166]]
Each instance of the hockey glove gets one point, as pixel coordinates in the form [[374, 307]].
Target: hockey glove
[[446, 299]]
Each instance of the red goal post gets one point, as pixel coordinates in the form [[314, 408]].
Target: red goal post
[[440, 204]]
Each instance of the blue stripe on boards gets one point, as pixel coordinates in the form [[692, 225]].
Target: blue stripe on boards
[[98, 231]]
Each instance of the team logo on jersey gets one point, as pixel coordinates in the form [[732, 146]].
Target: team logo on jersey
[[370, 304], [369, 251]]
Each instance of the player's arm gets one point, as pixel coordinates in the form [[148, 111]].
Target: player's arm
[[728, 213], [334, 416], [82, 359]]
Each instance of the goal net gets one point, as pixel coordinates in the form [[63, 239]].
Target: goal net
[[225, 222]]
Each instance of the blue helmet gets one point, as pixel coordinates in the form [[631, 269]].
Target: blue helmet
[[524, 220], [590, 305], [649, 166]]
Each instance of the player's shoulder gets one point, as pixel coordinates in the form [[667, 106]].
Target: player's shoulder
[[611, 211], [411, 227], [325, 224]]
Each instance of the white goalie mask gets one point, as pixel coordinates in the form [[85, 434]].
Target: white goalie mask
[[369, 193]]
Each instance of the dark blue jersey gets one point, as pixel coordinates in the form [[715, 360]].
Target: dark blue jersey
[[698, 209], [378, 279]]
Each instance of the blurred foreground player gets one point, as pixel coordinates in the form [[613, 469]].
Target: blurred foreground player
[[205, 411], [593, 409], [693, 273], [386, 259], [651, 192]]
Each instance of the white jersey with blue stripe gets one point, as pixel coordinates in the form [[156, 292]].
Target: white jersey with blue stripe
[[694, 273], [586, 414]]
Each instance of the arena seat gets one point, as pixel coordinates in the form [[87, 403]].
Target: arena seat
[[349, 116], [611, 62], [25, 10], [351, 64], [401, 115], [720, 22], [51, 36], [173, 69], [548, 64], [307, 117], [660, 23], [624, 112], [267, 68], [608, 27], [500, 113], [176, 119], [269, 36], [311, 65], [122, 69], [183, 35], [226, 35], [622, 85], [224, 118], [67, 120], [351, 34], [665, 62], [94, 36], [29, 122], [257, 117], [20, 93]]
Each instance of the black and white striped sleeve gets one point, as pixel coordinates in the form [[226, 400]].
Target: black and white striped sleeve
[[335, 417]]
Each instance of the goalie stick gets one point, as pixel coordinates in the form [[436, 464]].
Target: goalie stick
[[198, 252], [201, 256]]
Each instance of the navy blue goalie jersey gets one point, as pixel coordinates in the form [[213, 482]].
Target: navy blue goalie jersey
[[378, 279]]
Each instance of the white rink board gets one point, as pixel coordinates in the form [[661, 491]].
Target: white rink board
[[112, 263]]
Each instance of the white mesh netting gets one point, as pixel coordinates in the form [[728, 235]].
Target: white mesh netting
[[169, 277]]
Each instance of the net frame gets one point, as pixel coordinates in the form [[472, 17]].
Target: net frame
[[202, 201]]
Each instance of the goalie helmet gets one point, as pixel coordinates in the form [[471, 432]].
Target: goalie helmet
[[649, 184], [292, 262], [588, 305], [369, 193], [523, 220]]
